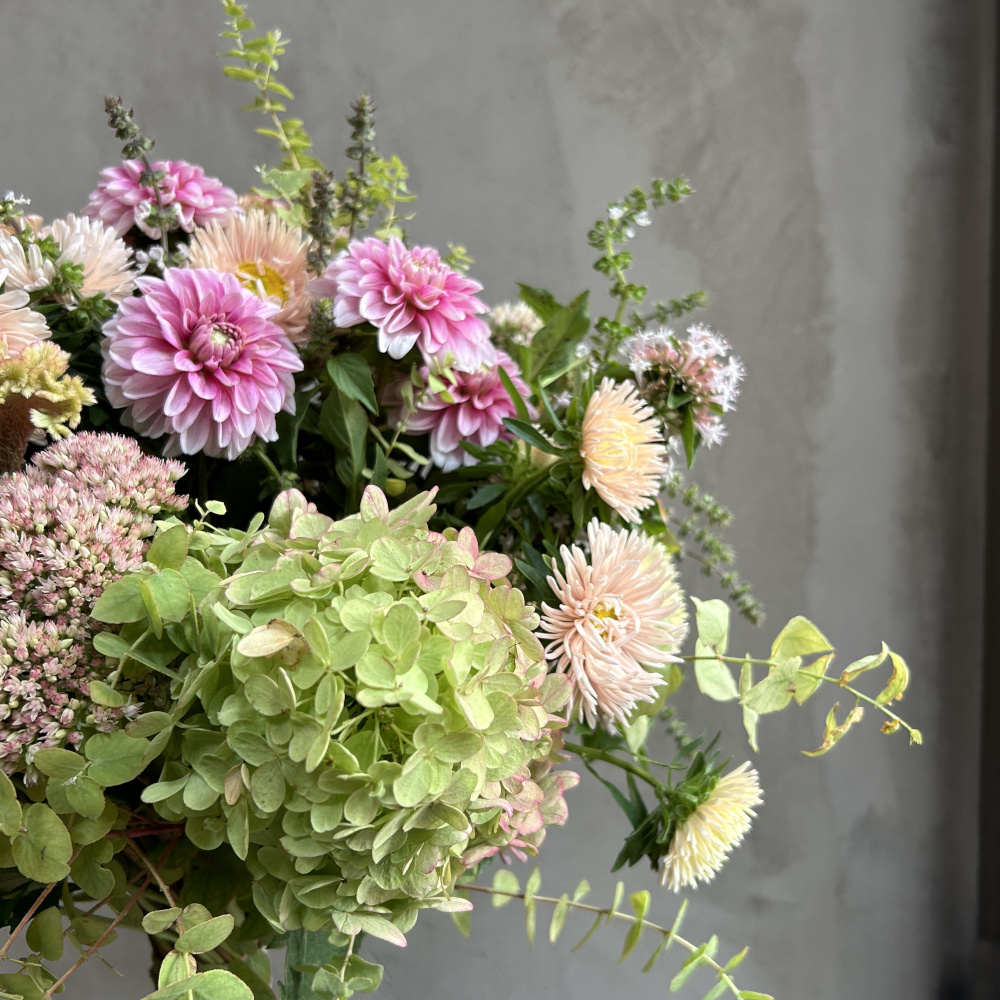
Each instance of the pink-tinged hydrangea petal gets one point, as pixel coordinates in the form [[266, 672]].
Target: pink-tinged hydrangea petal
[[210, 367], [479, 406], [411, 298], [120, 198]]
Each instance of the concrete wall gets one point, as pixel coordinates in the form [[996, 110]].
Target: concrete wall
[[839, 149]]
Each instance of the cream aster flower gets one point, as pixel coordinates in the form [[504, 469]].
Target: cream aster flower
[[27, 270], [623, 453], [19, 325], [701, 844], [103, 255], [617, 618], [269, 258]]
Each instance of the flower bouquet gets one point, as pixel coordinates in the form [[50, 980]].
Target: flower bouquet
[[319, 576]]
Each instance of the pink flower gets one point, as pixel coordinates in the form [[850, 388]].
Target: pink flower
[[409, 296], [198, 357], [120, 199], [619, 618], [475, 412]]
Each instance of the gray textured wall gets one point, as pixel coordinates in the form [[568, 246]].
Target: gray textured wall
[[839, 149]]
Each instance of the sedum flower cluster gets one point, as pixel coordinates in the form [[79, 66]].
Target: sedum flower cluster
[[376, 713], [66, 532]]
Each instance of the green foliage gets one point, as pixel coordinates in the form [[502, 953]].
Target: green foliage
[[506, 887], [347, 724], [799, 662]]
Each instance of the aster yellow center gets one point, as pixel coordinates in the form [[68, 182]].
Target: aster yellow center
[[603, 613], [220, 337], [255, 273]]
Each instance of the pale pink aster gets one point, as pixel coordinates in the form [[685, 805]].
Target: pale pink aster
[[473, 410], [197, 357], [269, 258], [616, 622], [122, 201], [411, 298], [25, 268], [624, 458]]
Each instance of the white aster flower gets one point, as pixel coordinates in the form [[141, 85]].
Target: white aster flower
[[28, 270], [702, 843], [102, 254]]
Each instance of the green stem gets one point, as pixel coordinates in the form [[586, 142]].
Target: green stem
[[593, 753]]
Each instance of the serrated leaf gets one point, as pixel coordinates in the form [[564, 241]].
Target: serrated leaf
[[169, 548], [43, 847], [353, 376]]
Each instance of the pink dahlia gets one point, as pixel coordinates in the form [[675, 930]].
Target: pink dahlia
[[122, 201], [197, 356], [409, 296], [473, 410]]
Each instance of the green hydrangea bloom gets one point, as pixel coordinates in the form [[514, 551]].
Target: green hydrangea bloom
[[373, 718]]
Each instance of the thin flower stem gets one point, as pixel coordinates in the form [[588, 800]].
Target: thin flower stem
[[347, 957], [26, 919], [164, 242], [609, 758], [617, 915], [97, 944], [734, 659]]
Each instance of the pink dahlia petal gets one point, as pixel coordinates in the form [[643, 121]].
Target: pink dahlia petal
[[410, 297], [479, 407], [122, 201], [209, 367]]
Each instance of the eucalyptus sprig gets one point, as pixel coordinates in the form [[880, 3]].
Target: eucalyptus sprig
[[506, 887]]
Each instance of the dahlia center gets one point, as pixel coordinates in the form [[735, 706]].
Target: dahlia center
[[222, 335], [256, 273]]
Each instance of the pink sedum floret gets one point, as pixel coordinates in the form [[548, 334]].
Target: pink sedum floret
[[198, 357], [122, 201], [411, 298]]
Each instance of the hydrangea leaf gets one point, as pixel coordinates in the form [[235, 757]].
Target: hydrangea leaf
[[115, 757], [43, 847]]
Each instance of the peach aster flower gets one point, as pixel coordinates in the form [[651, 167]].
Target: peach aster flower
[[269, 258], [616, 622], [624, 457], [702, 842]]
